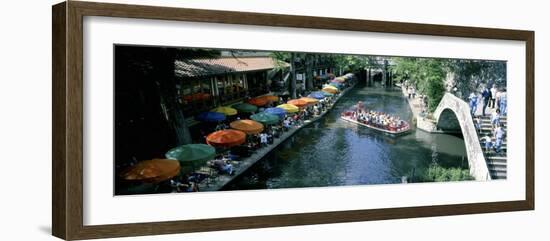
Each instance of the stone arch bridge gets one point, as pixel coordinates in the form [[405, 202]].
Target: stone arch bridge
[[453, 115]]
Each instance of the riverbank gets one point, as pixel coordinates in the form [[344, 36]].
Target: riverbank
[[422, 122], [244, 164]]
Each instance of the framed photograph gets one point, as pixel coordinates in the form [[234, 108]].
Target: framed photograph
[[171, 120]]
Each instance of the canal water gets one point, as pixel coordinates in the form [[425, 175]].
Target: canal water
[[332, 152]]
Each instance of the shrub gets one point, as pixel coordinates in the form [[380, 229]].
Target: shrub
[[437, 173]]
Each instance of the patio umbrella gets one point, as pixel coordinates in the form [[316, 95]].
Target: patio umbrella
[[298, 102], [272, 98], [225, 110], [210, 117], [196, 96], [340, 79], [330, 89], [196, 154], [245, 108], [336, 84], [265, 118], [154, 171], [289, 108], [280, 112], [317, 95], [247, 126], [258, 101], [327, 94], [310, 101], [226, 138]]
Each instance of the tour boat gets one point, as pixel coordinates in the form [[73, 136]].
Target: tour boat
[[348, 116]]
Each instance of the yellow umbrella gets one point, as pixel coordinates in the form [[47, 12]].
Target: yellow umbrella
[[225, 110], [330, 89], [310, 101], [289, 108]]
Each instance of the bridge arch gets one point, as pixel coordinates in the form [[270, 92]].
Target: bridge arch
[[453, 115]]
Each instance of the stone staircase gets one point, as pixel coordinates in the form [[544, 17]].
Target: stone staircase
[[496, 162]]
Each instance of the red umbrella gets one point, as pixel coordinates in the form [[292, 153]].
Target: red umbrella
[[226, 138], [258, 101]]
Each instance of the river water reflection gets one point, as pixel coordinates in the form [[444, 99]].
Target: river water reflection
[[332, 152]]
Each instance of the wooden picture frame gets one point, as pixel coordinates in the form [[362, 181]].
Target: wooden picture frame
[[67, 76]]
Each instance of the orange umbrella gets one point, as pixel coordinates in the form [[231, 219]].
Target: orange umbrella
[[310, 101], [226, 138], [258, 101], [248, 126], [196, 96], [272, 98], [297, 102], [156, 170]]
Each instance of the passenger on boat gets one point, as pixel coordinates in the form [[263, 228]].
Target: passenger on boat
[[376, 119]]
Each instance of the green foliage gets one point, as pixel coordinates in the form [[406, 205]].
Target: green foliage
[[472, 75], [426, 74], [437, 173]]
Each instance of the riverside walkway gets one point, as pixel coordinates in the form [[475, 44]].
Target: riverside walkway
[[239, 167]]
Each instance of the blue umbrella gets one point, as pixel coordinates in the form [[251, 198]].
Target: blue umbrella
[[210, 117], [280, 112], [317, 95]]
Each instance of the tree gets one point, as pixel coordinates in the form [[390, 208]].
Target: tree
[[471, 75], [426, 74]]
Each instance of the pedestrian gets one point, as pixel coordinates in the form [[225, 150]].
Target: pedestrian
[[413, 92], [487, 141], [499, 137], [409, 91], [263, 139], [502, 102], [493, 96], [495, 119], [223, 166], [486, 95], [473, 103], [477, 123]]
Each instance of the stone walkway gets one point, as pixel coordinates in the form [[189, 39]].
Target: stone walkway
[[422, 122]]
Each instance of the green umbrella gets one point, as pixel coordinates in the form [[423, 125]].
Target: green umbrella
[[192, 153], [245, 108], [265, 118]]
